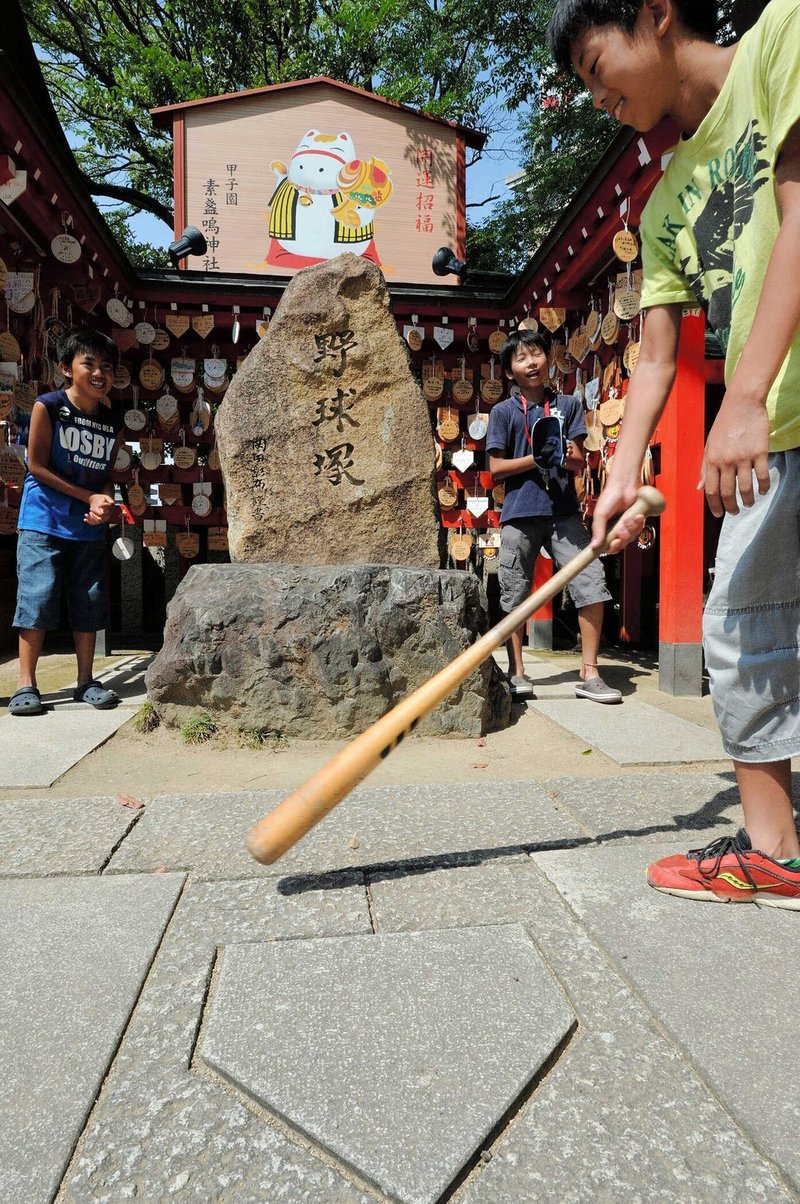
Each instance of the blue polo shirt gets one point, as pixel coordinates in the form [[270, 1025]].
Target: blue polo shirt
[[81, 452], [540, 493]]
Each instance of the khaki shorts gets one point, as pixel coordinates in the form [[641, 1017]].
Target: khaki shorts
[[751, 625], [563, 537]]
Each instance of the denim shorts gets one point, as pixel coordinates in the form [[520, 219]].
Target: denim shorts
[[751, 625], [45, 565], [563, 537]]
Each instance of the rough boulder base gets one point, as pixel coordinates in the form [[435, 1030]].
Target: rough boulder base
[[321, 652], [324, 437]]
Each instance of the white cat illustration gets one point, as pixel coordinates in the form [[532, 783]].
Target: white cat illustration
[[325, 202]]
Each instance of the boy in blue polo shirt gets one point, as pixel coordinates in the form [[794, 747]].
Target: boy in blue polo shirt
[[541, 507], [66, 505], [722, 229]]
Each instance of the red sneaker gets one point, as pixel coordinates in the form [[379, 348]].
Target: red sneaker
[[728, 870]]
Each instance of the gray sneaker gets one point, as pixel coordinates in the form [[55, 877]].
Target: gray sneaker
[[598, 691], [521, 688]]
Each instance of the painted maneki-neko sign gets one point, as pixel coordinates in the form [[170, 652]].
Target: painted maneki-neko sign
[[283, 177], [325, 202]]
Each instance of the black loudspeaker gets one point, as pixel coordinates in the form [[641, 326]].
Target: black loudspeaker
[[191, 242], [445, 264]]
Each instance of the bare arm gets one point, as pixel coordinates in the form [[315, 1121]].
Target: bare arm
[[574, 459], [738, 442], [500, 468], [647, 395], [99, 514]]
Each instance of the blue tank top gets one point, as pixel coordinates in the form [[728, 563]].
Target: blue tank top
[[81, 453]]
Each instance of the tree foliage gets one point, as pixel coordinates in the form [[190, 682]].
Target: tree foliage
[[107, 62], [561, 138], [560, 142], [141, 254]]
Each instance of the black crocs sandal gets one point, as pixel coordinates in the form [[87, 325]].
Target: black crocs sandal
[[25, 701], [96, 694]]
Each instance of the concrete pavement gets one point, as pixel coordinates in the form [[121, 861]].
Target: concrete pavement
[[32, 756], [445, 992]]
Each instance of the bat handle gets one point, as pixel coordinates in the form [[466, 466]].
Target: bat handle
[[649, 502]]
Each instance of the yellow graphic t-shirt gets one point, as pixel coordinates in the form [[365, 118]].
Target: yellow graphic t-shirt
[[710, 225]]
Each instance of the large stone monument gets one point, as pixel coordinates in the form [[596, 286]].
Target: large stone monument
[[334, 608], [324, 436]]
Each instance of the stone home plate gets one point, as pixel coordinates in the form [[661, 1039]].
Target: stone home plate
[[399, 1054]]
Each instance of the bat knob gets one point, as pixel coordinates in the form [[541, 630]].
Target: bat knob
[[652, 501]]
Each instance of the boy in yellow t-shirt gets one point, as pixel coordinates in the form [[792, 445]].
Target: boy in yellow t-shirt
[[722, 228]]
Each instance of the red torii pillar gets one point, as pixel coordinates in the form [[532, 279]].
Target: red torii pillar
[[539, 627], [681, 434]]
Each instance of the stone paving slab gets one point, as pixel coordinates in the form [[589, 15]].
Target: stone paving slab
[[716, 978], [35, 750], [397, 1053], [552, 680], [39, 837], [621, 1117], [558, 678], [74, 955], [634, 733], [447, 898], [206, 832], [652, 807], [161, 1129]]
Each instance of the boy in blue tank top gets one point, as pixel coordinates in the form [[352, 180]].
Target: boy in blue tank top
[[66, 505]]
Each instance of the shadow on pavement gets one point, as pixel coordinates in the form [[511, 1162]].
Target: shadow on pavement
[[711, 814]]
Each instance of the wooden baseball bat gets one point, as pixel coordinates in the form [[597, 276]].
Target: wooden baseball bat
[[309, 803]]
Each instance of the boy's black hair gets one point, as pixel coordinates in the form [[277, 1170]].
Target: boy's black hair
[[523, 338], [572, 17], [81, 339]]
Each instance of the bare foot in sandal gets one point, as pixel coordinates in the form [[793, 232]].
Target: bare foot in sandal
[[25, 701], [96, 694]]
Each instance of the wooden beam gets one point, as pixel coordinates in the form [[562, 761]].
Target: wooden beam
[[598, 245], [179, 173], [461, 199]]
